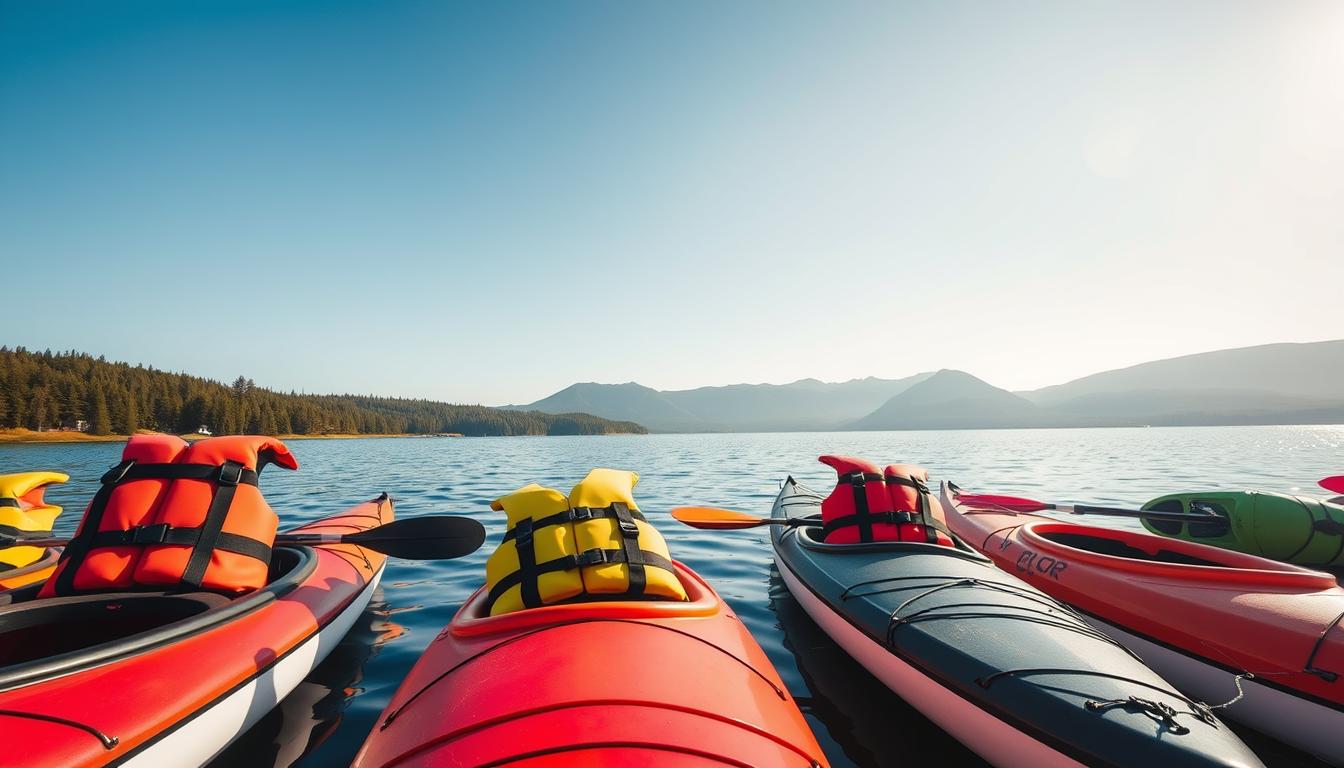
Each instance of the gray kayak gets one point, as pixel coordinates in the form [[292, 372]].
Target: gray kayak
[[1013, 674]]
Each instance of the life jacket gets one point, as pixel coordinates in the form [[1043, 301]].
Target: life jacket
[[868, 505], [23, 510], [908, 487], [173, 516], [591, 544]]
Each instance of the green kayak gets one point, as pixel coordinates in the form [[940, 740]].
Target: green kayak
[[1292, 529]]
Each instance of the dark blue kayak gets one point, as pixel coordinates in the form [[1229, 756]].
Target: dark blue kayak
[[1014, 675]]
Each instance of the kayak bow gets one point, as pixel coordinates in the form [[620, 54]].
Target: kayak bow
[[612, 683]]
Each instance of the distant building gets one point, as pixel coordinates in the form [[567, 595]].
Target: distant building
[[204, 430], [81, 425]]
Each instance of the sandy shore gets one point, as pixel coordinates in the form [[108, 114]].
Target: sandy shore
[[29, 436]]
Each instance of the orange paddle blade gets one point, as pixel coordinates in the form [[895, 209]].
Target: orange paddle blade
[[715, 519]]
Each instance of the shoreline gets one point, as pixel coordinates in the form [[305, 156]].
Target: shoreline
[[29, 436]]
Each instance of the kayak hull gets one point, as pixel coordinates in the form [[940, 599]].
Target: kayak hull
[[184, 691], [1201, 616], [979, 731], [1017, 677], [1310, 726], [605, 683]]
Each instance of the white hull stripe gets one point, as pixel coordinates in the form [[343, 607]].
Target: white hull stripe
[[197, 740], [1296, 721]]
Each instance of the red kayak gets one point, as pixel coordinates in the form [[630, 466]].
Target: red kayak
[[595, 684], [1262, 638], [153, 679]]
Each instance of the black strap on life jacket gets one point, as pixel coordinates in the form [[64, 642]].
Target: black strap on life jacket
[[529, 570], [203, 540], [8, 502], [863, 517], [866, 519], [924, 494]]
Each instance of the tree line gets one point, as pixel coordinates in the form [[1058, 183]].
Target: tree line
[[52, 390]]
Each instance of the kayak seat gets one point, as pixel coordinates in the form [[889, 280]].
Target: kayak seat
[[45, 628], [1116, 548]]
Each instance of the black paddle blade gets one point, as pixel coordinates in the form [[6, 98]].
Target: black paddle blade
[[433, 537]]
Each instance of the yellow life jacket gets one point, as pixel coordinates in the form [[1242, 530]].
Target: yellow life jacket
[[22, 509], [593, 543]]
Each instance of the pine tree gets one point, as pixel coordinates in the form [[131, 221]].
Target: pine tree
[[132, 415], [101, 421]]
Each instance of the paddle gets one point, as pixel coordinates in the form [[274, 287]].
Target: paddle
[[433, 537], [1018, 504], [715, 519]]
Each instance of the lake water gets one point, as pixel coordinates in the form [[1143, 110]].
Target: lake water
[[856, 719]]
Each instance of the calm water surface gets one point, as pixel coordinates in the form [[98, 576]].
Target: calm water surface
[[857, 720]]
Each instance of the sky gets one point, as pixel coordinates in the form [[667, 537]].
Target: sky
[[489, 202]]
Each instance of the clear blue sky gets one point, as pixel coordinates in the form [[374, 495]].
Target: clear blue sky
[[487, 203]]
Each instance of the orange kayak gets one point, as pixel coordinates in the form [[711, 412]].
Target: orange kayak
[[623, 683], [153, 678], [36, 571]]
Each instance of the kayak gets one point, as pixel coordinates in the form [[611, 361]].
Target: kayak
[[612, 683], [1017, 677], [1295, 529], [24, 510], [154, 678], [1259, 639], [35, 572]]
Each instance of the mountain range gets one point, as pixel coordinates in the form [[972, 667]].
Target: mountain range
[[1268, 384]]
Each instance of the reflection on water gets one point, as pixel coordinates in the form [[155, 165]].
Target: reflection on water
[[857, 720], [304, 721]]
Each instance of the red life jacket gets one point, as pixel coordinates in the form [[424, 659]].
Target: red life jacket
[[867, 505], [907, 485], [174, 516]]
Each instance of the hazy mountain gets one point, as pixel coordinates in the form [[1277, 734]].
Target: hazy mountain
[[636, 402], [801, 405], [953, 399], [1273, 383]]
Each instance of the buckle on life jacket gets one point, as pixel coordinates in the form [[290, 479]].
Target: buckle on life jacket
[[594, 557], [230, 473], [148, 534], [116, 473], [585, 513]]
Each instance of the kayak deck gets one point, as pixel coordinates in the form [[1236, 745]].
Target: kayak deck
[[601, 683]]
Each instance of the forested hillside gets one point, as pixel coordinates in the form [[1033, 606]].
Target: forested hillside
[[46, 390]]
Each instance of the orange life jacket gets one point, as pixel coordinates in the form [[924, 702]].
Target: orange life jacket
[[869, 505], [176, 516]]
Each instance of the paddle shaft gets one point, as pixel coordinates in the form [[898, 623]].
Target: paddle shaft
[[1017, 505], [432, 537]]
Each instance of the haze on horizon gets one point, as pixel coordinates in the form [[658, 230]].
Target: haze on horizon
[[488, 203]]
